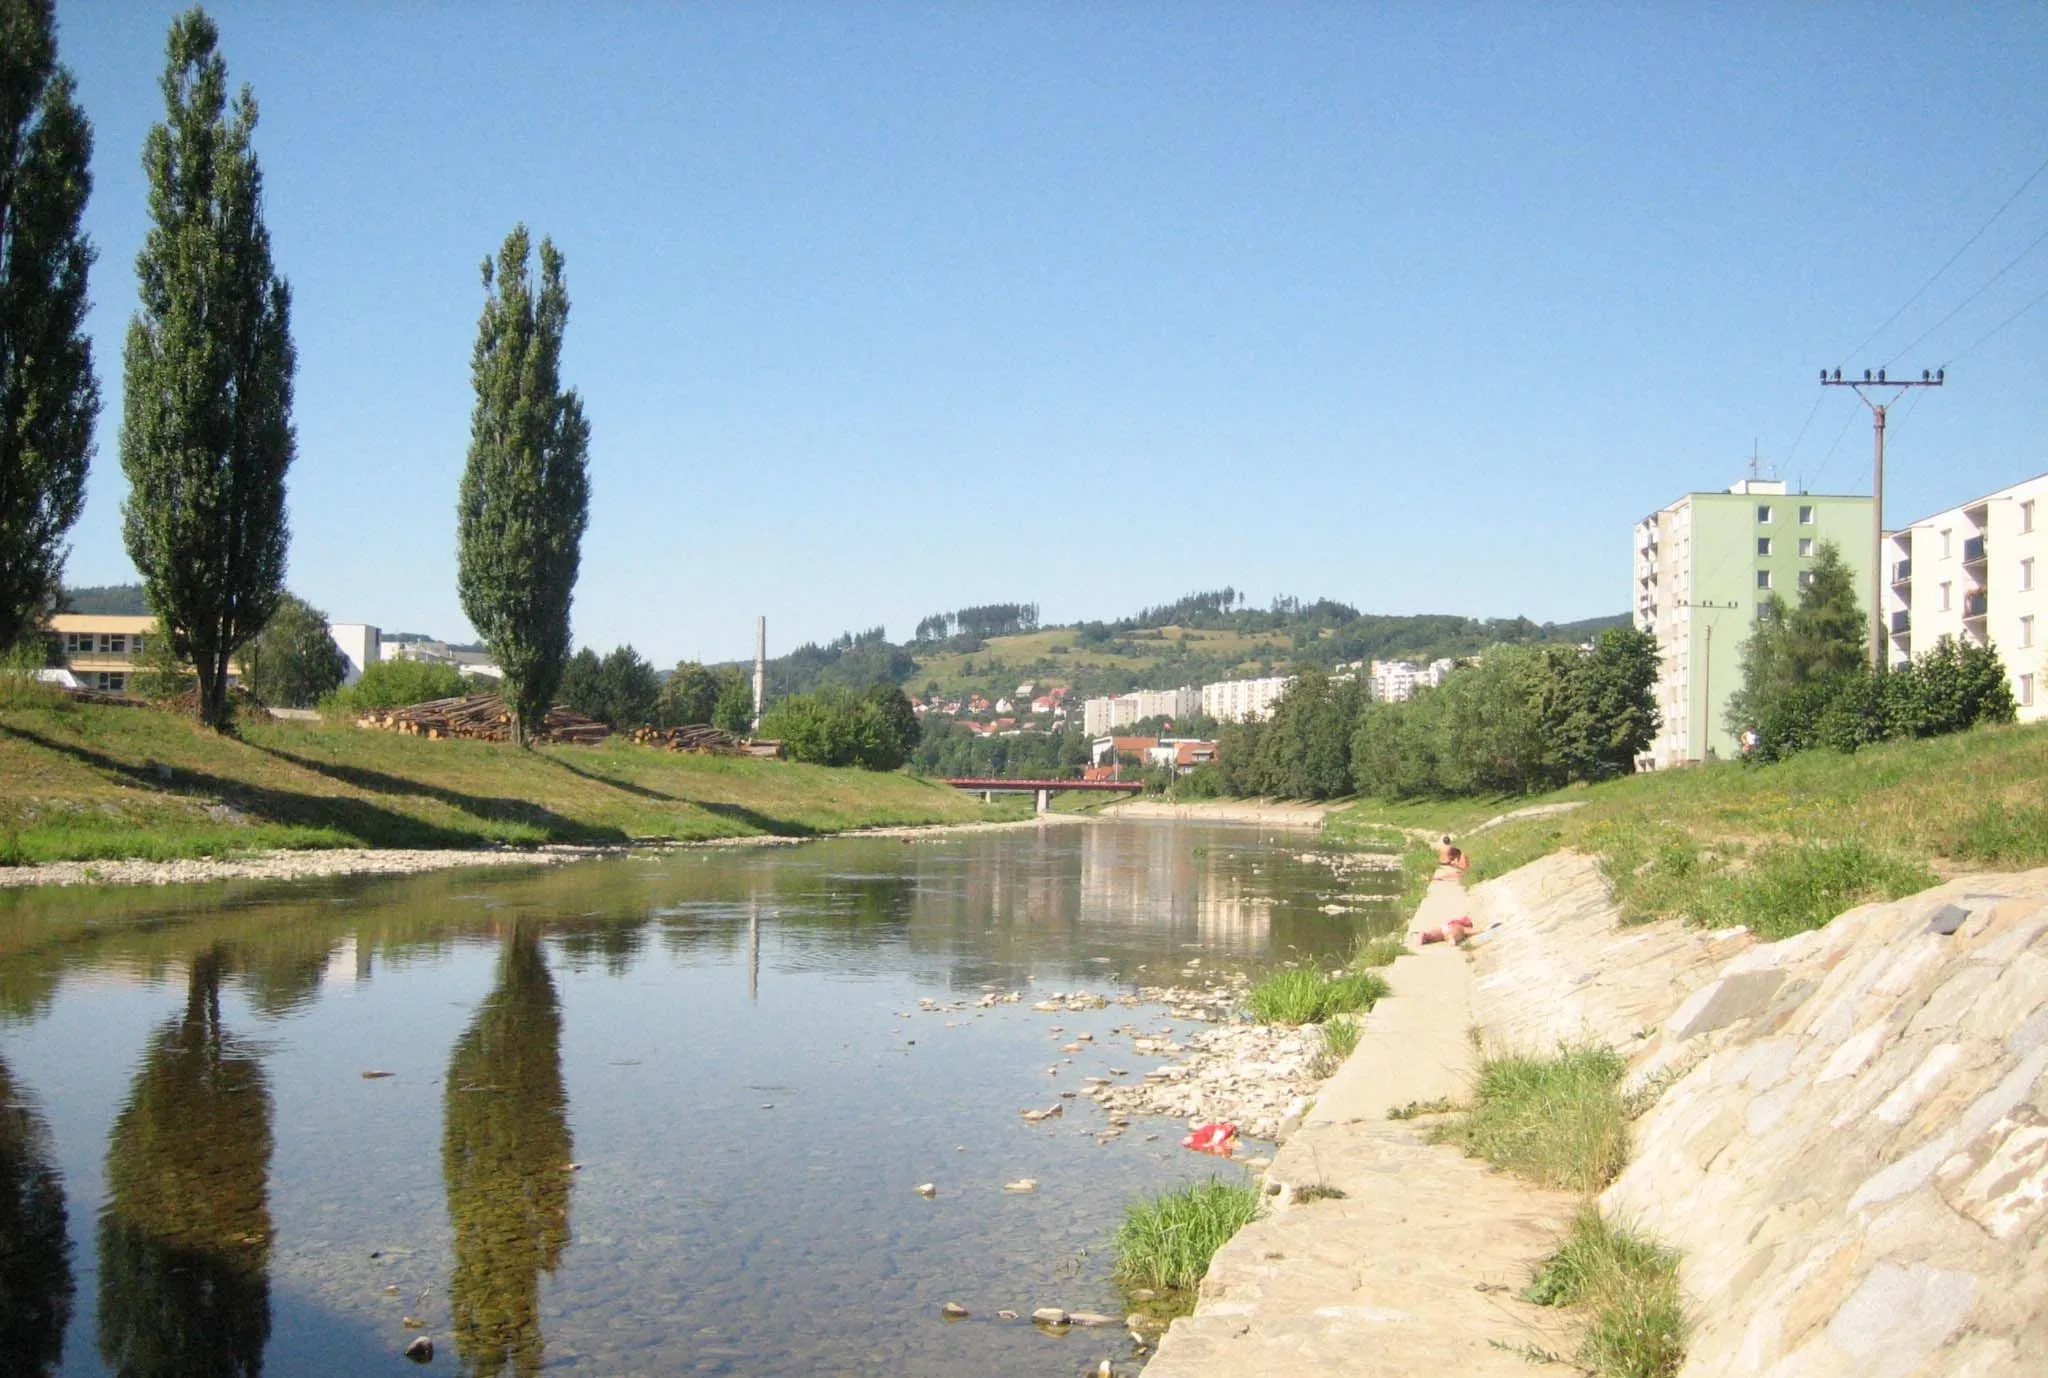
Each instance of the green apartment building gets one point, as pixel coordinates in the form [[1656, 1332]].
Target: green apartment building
[[1703, 565]]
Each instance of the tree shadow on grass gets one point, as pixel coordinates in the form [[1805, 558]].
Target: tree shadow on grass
[[492, 808], [626, 786], [366, 822], [761, 822]]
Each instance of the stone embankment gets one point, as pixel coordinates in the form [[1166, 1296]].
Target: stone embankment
[[1847, 1144], [1270, 813]]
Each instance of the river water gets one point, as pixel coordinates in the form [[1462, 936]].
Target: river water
[[660, 1114]]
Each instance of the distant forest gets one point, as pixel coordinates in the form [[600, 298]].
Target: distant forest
[[105, 600]]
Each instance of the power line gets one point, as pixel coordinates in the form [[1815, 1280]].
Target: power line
[[1812, 412], [1847, 421], [1936, 276], [1981, 339], [1958, 309]]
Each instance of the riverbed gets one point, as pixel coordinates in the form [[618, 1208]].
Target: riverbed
[[655, 1114]]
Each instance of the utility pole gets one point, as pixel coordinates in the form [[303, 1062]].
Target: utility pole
[[1864, 386]]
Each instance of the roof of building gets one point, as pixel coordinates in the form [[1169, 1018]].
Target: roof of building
[[101, 622]]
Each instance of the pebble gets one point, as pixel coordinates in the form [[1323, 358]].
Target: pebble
[[1022, 1184], [421, 1350], [1049, 1315], [377, 1074], [1007, 1314], [1089, 1318], [953, 1310], [927, 1189]]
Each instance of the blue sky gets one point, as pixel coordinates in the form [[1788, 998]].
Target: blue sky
[[884, 309]]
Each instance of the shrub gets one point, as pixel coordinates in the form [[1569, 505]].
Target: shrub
[[1628, 1283], [837, 727], [1169, 1240], [1558, 1121], [1297, 996], [396, 683]]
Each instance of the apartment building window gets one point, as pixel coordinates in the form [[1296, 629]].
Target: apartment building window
[[1763, 545], [2027, 515], [1806, 547], [1763, 513], [114, 644], [1806, 516], [1763, 578], [1806, 578], [1944, 597], [2026, 631], [1945, 535], [2026, 574], [2026, 691], [77, 643]]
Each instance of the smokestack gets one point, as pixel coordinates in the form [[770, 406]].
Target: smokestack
[[760, 668]]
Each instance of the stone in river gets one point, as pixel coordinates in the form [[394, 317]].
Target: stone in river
[[421, 1350], [375, 1074], [927, 1189], [1007, 1314], [953, 1310], [1049, 1315], [1090, 1318], [1022, 1184]]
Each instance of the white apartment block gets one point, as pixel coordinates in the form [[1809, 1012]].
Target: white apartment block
[[1243, 700], [1104, 715], [1975, 573], [1395, 681]]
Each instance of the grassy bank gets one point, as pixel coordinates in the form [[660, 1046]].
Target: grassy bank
[[95, 782], [1781, 847], [1167, 1241]]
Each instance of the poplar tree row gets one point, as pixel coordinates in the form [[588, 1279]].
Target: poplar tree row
[[206, 434]]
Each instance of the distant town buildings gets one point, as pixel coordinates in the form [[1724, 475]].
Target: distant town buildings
[[1107, 714], [102, 650], [1395, 681], [1243, 700], [1974, 573], [439, 653], [1703, 566]]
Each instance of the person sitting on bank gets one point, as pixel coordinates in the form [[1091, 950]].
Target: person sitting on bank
[[1451, 863]]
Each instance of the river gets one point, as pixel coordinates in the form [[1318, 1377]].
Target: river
[[658, 1114]]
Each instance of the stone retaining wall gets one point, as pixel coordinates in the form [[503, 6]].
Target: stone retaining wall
[[1852, 1151]]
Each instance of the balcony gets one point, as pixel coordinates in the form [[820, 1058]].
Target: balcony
[[1902, 622], [1973, 551], [1973, 606], [1902, 572]]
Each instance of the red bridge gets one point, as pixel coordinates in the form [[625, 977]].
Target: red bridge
[[1044, 789]]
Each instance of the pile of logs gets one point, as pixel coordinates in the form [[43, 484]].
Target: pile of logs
[[482, 717], [699, 737]]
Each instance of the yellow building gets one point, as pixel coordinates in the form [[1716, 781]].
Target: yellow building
[[102, 650]]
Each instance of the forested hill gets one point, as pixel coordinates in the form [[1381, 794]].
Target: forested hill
[[121, 600], [1197, 639]]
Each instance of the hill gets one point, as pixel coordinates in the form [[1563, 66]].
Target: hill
[[1195, 640]]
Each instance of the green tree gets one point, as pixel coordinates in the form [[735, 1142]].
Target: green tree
[[581, 688], [688, 696], [35, 1263], [836, 727], [1819, 639], [396, 683], [1604, 711], [206, 433], [294, 662], [619, 688], [48, 395], [525, 497], [734, 711]]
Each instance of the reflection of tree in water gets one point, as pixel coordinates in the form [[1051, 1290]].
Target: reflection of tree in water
[[35, 1251], [185, 1237], [506, 1155]]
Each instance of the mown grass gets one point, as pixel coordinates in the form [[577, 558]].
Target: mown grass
[[1627, 1286], [1780, 847], [1299, 996], [1167, 1241], [1558, 1120], [97, 782]]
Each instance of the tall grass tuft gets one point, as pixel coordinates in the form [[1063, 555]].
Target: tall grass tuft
[[1377, 952], [1800, 886], [1297, 996], [1340, 1041], [1559, 1121], [1628, 1285], [1168, 1240]]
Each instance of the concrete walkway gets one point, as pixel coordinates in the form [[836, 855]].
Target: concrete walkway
[[1413, 1271]]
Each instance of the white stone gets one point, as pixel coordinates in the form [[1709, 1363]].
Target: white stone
[[1899, 1106], [1899, 1316]]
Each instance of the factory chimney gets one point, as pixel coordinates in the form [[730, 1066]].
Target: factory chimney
[[760, 669]]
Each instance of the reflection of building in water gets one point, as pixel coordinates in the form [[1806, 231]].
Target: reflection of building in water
[[1150, 878]]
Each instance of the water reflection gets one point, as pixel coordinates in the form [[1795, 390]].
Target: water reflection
[[184, 1242], [35, 1249], [505, 1155]]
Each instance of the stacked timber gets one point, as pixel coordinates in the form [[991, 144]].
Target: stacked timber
[[481, 717], [698, 737]]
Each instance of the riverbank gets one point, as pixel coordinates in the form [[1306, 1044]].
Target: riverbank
[[1271, 813], [1841, 1136], [100, 783]]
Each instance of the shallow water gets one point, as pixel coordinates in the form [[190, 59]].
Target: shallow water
[[196, 1176]]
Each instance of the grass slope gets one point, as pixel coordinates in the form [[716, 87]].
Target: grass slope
[[93, 782], [1779, 847]]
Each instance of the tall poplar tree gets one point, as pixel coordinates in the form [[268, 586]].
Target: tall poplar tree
[[206, 432], [48, 395], [526, 491]]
